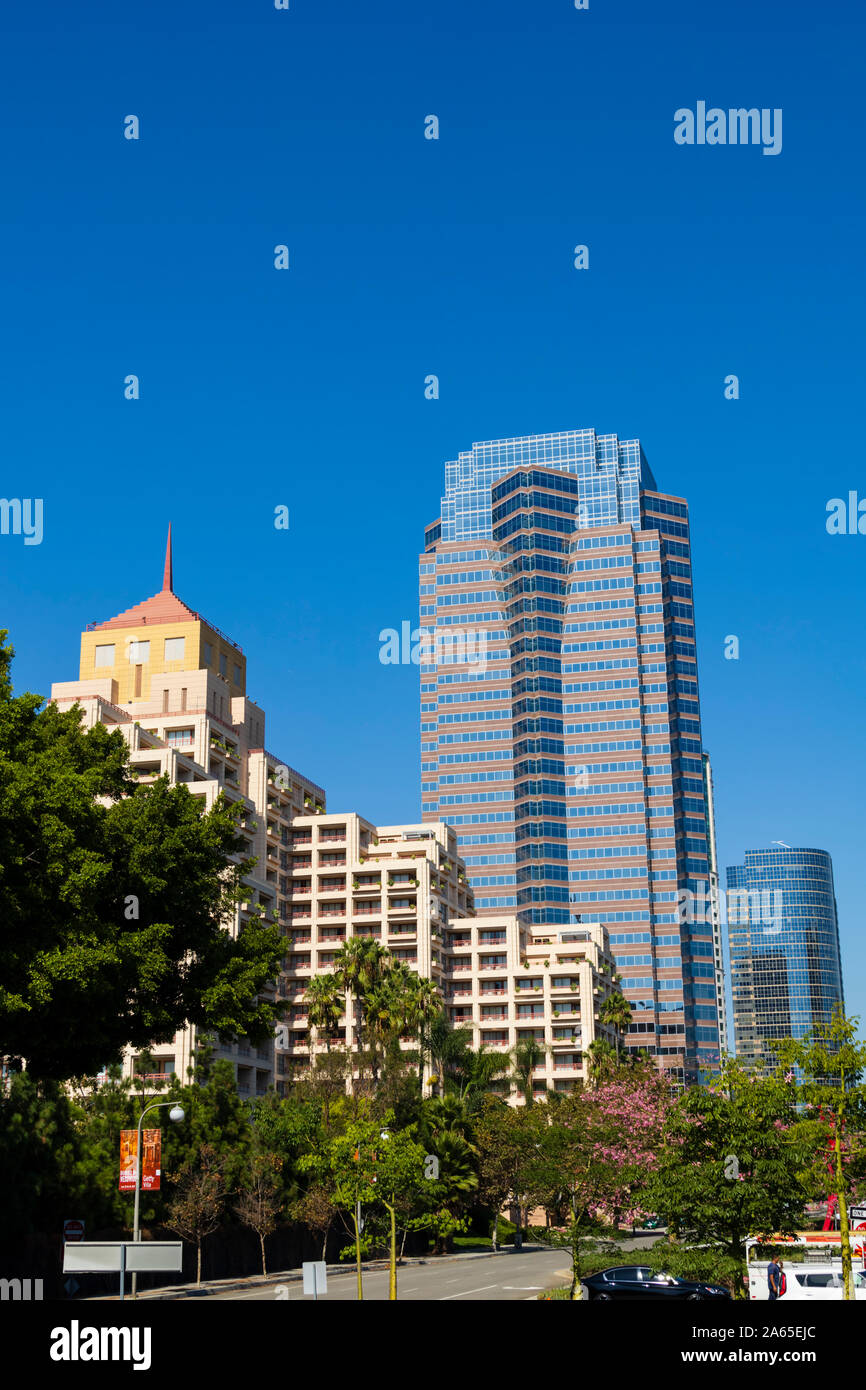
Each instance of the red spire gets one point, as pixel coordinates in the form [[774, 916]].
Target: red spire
[[166, 577]]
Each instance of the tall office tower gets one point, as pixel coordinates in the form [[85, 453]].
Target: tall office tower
[[783, 934], [560, 724]]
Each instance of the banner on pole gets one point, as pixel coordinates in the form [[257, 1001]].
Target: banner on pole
[[150, 1159]]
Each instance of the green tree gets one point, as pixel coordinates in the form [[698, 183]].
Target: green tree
[[41, 1153], [503, 1137], [730, 1164], [352, 1165], [114, 898], [399, 1174], [831, 1116], [447, 1197]]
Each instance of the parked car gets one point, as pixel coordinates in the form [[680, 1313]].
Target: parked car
[[809, 1280], [641, 1282]]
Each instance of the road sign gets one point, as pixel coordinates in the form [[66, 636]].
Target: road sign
[[315, 1277], [118, 1256], [73, 1230], [857, 1213]]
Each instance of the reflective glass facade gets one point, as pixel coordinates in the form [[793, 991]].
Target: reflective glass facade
[[786, 971], [570, 763]]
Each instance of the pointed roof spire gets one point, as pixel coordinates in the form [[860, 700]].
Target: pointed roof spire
[[166, 577]]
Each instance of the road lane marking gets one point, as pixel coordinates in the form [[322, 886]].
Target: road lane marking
[[467, 1292]]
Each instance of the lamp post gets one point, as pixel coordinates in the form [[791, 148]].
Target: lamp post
[[176, 1114]]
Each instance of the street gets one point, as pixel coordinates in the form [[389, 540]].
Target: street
[[511, 1276]]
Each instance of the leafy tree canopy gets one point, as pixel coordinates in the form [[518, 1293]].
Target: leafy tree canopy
[[114, 899]]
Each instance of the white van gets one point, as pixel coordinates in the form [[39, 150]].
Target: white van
[[809, 1280]]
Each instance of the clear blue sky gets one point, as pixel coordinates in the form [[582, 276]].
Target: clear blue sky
[[454, 257]]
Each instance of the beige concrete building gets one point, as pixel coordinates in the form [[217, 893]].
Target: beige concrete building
[[406, 887], [175, 687]]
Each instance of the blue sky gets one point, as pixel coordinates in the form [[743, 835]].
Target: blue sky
[[453, 257]]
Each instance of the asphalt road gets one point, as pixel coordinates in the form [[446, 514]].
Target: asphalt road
[[508, 1277]]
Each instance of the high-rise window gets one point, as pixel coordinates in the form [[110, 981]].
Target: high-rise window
[[104, 655], [174, 648]]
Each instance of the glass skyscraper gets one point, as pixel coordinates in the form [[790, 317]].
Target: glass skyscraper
[[569, 760], [783, 933]]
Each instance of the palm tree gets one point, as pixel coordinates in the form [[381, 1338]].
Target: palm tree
[[326, 1000], [528, 1054], [616, 1013], [601, 1058], [444, 1114], [478, 1068], [360, 965], [388, 1008], [424, 1003], [447, 1047], [456, 1184]]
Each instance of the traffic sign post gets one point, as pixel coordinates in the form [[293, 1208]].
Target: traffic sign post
[[857, 1219], [315, 1277]]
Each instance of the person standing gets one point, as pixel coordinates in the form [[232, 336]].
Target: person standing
[[774, 1278]]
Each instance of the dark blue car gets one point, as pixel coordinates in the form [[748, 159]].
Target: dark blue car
[[641, 1282]]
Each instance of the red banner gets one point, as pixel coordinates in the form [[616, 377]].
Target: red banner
[[150, 1160]]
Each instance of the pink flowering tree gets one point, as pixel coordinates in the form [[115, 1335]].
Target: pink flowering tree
[[594, 1156]]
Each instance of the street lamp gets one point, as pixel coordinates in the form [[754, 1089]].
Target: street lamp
[[176, 1114]]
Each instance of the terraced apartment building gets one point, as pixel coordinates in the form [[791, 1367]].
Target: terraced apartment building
[[406, 887], [174, 685]]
